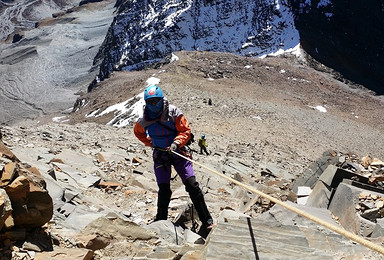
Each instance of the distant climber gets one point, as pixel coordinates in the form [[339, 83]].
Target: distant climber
[[203, 145], [164, 127]]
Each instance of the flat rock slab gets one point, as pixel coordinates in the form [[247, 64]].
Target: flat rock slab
[[247, 238]]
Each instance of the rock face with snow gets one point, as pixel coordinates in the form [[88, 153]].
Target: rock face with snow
[[335, 33], [145, 32]]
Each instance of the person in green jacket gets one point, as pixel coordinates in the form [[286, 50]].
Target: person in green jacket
[[203, 145]]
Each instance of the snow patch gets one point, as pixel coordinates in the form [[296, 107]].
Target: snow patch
[[174, 58], [60, 119], [296, 51], [319, 108], [126, 112], [257, 117], [153, 81]]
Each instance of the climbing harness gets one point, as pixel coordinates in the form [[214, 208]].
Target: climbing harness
[[302, 213]]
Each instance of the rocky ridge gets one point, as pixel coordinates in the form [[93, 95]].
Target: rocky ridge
[[104, 196]]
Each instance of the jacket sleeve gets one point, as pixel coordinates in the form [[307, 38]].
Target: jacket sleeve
[[140, 133], [183, 131]]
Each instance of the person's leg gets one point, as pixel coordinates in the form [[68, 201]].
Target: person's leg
[[162, 169], [185, 170], [163, 199], [205, 150], [197, 197]]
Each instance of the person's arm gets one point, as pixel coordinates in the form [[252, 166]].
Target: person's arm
[[183, 129], [140, 133]]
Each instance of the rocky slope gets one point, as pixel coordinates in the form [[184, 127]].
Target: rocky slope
[[264, 127], [267, 121], [274, 99]]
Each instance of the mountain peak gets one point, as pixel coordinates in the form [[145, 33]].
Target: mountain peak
[[144, 33]]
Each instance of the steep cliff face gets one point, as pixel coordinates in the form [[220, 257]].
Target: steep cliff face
[[145, 32], [347, 36]]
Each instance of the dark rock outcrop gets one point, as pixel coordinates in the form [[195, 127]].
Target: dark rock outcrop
[[346, 36]]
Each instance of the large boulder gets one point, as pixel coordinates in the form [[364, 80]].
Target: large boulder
[[32, 206]]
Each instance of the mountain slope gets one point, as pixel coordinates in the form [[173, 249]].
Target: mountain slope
[[269, 117], [254, 101]]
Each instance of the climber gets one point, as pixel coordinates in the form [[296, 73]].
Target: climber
[[164, 127], [203, 145]]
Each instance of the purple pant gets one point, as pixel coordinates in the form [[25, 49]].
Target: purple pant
[[162, 165]]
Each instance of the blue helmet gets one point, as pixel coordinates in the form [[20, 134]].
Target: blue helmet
[[153, 91], [203, 136]]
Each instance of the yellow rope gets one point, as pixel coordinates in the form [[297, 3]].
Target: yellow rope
[[334, 228]]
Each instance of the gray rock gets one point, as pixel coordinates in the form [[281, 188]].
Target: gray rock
[[313, 172], [366, 226], [343, 206], [86, 180], [118, 228], [320, 196], [328, 175], [70, 194], [167, 232], [287, 217], [31, 246], [285, 237], [66, 209], [78, 160], [250, 239], [378, 230], [192, 238], [80, 217]]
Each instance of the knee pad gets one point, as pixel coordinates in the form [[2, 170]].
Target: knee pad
[[192, 187]]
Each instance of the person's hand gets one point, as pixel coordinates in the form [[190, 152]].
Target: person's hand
[[173, 147]]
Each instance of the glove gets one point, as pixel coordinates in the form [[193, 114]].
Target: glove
[[173, 147]]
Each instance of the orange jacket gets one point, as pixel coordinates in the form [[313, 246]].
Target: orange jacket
[[171, 126]]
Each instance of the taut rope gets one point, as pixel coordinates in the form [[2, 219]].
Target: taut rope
[[302, 213]]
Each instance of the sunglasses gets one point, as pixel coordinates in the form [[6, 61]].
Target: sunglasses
[[152, 101]]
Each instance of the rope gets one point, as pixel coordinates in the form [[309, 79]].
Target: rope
[[302, 213]]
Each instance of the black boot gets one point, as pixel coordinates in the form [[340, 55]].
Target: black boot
[[197, 197], [163, 199]]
